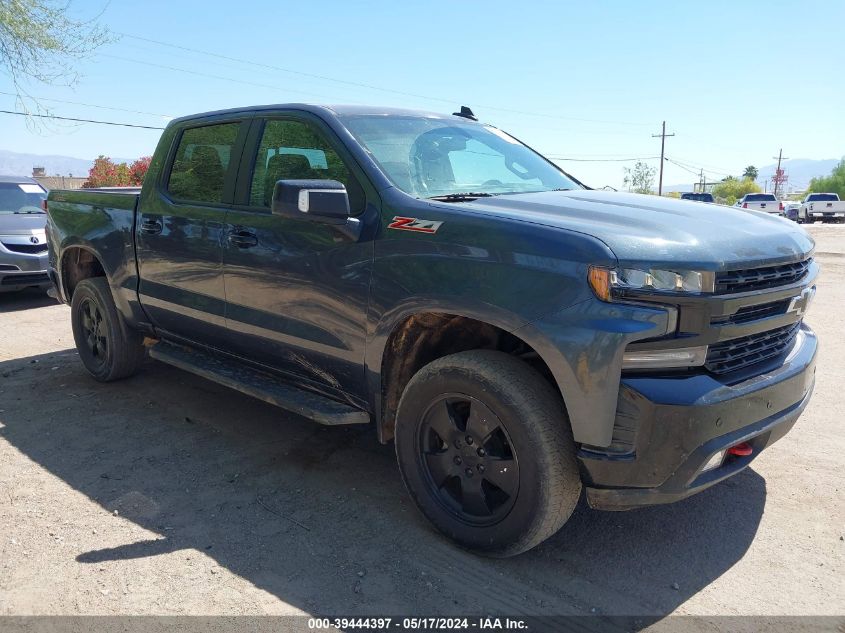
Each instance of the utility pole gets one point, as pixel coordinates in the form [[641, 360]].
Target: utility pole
[[662, 136], [778, 177]]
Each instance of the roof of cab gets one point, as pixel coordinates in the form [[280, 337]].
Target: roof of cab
[[336, 110]]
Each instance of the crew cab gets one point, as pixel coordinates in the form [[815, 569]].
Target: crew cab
[[825, 207], [766, 202], [516, 334]]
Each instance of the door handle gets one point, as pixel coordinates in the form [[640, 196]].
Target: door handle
[[151, 226], [243, 239]]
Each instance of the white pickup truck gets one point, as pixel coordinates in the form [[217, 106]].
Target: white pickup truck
[[761, 202], [821, 206]]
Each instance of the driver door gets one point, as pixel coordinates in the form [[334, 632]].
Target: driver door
[[296, 290]]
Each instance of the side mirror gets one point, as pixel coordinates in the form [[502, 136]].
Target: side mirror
[[319, 200]]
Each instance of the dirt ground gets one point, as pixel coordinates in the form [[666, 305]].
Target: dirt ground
[[167, 494]]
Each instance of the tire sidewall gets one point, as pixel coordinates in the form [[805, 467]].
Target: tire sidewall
[[532, 492], [94, 290]]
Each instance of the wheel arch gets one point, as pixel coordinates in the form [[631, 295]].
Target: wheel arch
[[415, 336], [77, 262]]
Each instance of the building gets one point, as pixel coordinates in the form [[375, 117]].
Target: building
[[57, 182]]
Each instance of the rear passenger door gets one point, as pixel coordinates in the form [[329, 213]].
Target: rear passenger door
[[297, 290], [179, 231]]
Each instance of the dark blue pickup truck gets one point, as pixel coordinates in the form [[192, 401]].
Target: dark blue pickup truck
[[518, 335]]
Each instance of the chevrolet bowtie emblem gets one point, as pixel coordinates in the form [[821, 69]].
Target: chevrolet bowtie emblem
[[799, 304]]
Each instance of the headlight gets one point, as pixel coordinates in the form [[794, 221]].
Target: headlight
[[604, 281]]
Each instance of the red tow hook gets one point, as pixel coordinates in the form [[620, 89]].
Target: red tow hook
[[742, 449]]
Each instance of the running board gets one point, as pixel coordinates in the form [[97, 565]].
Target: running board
[[254, 383]]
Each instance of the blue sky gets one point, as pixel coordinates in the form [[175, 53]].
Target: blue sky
[[735, 81]]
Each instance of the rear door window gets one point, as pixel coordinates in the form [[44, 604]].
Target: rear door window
[[202, 163]]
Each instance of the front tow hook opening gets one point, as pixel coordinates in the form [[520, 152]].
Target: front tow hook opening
[[743, 449]]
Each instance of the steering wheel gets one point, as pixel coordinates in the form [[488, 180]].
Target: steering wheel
[[492, 183]]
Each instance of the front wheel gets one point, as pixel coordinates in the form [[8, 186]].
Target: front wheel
[[107, 347], [486, 452]]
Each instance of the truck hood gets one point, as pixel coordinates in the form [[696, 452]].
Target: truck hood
[[655, 230], [22, 223]]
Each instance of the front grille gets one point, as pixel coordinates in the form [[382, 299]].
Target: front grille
[[748, 350], [30, 249], [25, 280], [759, 278], [752, 313]]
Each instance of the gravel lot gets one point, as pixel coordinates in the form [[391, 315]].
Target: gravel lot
[[166, 494]]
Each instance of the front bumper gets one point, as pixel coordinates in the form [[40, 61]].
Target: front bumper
[[667, 428], [22, 270]]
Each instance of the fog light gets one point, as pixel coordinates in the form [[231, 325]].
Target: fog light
[[714, 462], [664, 358]]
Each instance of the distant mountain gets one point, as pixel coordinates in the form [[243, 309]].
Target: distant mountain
[[17, 164], [799, 170]]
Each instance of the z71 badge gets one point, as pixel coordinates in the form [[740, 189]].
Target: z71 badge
[[414, 224]]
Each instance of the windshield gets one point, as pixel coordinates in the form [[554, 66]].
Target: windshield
[[21, 197], [760, 197], [823, 197], [429, 157]]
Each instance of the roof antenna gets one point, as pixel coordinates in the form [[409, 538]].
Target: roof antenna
[[466, 113]]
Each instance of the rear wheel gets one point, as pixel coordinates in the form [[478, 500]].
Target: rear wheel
[[485, 450], [108, 348]]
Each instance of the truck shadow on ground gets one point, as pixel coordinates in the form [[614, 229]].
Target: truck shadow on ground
[[24, 300], [318, 516]]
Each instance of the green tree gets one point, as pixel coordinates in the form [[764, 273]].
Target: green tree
[[750, 172], [640, 178], [833, 183], [730, 189], [106, 173], [41, 42]]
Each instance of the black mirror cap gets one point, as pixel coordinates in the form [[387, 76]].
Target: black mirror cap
[[325, 200]]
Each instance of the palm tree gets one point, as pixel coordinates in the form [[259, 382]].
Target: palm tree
[[750, 172]]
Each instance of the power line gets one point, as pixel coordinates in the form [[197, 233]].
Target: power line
[[681, 166], [602, 160], [361, 84], [91, 105], [67, 118], [707, 168], [202, 74]]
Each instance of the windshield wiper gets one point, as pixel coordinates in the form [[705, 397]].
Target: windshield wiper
[[461, 197]]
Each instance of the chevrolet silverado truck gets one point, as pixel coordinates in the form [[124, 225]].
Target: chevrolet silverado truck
[[766, 202], [517, 335], [825, 207]]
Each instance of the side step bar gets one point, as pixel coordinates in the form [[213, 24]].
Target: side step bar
[[258, 385]]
